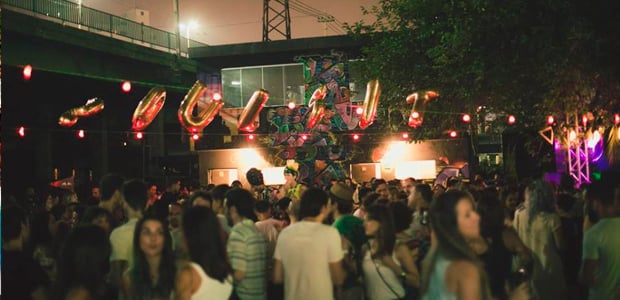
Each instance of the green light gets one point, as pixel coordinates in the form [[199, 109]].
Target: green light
[[596, 175]]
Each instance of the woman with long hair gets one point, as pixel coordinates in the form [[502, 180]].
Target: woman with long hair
[[539, 226], [153, 271], [386, 264], [208, 274], [451, 269], [82, 265], [499, 243]]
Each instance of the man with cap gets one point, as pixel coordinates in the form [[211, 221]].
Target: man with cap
[[290, 188], [351, 230]]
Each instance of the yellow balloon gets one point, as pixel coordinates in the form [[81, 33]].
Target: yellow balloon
[[197, 123], [247, 121], [70, 117], [148, 108], [371, 101]]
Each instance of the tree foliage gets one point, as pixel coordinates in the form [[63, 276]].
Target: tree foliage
[[523, 57]]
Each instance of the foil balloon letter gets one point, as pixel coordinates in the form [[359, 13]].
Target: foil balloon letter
[[416, 117], [247, 121], [70, 117], [197, 123], [148, 108], [373, 92], [317, 104]]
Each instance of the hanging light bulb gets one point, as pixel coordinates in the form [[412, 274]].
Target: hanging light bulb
[[21, 131], [27, 72], [466, 118], [126, 86]]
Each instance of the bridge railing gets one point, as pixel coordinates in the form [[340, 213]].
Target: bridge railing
[[95, 20]]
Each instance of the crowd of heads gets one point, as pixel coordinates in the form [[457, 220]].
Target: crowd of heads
[[70, 238]]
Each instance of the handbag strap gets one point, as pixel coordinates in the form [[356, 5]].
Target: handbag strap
[[381, 275]]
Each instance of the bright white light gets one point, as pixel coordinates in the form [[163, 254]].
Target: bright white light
[[273, 176], [235, 82], [422, 169], [572, 135], [249, 158], [394, 154], [592, 141]]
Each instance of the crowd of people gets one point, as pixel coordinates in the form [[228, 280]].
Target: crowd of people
[[398, 239]]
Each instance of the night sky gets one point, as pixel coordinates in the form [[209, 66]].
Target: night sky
[[238, 21]]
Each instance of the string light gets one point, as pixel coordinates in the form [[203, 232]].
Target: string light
[[550, 120], [359, 110], [405, 136], [139, 135], [81, 134], [584, 120], [21, 131], [251, 137], [453, 134], [304, 137], [356, 137], [616, 119], [415, 115], [217, 96], [512, 120], [27, 72], [126, 87], [291, 105], [195, 136], [466, 118]]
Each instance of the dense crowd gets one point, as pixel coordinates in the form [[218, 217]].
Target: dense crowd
[[399, 239]]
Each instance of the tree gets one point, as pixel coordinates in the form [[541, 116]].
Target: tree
[[524, 57]]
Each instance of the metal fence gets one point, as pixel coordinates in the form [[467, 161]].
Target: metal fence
[[96, 20]]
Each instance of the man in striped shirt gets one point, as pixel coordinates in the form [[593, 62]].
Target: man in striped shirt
[[246, 247]]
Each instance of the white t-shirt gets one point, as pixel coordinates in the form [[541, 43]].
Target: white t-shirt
[[121, 240], [305, 250], [602, 243]]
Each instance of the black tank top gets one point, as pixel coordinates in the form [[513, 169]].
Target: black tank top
[[497, 262]]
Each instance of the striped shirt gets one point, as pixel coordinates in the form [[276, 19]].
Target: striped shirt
[[247, 251]]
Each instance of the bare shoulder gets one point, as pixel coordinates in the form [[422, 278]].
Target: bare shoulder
[[461, 273]]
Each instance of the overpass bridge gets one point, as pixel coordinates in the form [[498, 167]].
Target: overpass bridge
[[63, 37]]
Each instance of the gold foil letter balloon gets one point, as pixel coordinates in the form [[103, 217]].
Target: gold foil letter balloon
[[197, 123], [317, 104], [416, 117], [148, 108], [247, 121], [373, 92], [70, 117]]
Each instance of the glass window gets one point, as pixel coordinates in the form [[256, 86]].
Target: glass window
[[294, 83], [272, 79], [231, 88], [356, 85], [251, 81]]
